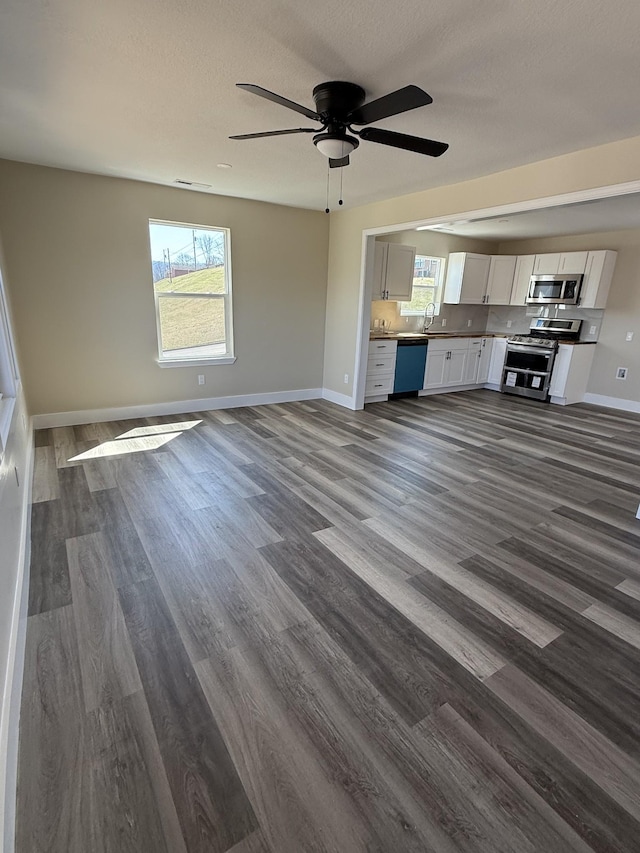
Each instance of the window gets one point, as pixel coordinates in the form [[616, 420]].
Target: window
[[428, 275], [192, 289]]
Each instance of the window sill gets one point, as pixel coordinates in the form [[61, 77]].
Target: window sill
[[195, 362]]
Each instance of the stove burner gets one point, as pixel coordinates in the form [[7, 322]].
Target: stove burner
[[532, 340]]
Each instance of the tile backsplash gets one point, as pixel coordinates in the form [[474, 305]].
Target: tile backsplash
[[488, 318], [521, 317]]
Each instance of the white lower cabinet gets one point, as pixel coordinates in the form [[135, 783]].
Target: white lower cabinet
[[435, 369], [451, 362], [486, 348], [473, 361], [571, 369], [381, 368], [496, 363]]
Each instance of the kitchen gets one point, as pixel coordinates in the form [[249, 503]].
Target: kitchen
[[480, 275]]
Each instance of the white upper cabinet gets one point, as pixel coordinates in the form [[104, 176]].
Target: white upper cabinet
[[467, 278], [546, 264], [393, 268], [573, 262], [501, 272], [560, 262], [522, 279], [379, 270], [597, 278], [479, 279]]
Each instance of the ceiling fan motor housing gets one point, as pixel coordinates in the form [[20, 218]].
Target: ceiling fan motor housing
[[337, 99]]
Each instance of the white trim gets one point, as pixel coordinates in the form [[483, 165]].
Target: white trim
[[612, 402], [338, 399], [368, 240], [195, 362], [515, 207], [178, 407], [10, 713]]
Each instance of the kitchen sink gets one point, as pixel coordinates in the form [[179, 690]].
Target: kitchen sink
[[410, 335]]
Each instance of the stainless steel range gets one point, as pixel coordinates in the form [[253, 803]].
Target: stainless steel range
[[528, 364]]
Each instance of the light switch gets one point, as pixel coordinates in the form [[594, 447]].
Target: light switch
[[629, 336]]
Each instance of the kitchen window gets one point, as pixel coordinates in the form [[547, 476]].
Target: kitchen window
[[428, 277], [192, 290]]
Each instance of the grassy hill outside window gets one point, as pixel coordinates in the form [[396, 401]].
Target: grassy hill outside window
[[428, 277], [192, 291]]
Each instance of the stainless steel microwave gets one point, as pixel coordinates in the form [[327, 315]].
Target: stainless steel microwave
[[554, 289]]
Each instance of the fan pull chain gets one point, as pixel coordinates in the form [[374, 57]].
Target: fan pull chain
[[327, 207], [340, 199]]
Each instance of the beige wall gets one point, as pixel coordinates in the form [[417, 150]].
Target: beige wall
[[595, 167], [78, 264], [621, 315]]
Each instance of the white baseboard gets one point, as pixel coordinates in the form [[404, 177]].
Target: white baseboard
[[179, 407], [15, 668], [338, 399], [612, 402]]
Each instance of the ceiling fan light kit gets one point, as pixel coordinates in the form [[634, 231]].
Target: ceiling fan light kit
[[339, 106], [335, 146]]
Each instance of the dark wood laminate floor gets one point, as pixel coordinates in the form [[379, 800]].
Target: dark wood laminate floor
[[298, 628]]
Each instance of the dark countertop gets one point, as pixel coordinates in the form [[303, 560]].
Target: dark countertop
[[417, 336], [408, 336]]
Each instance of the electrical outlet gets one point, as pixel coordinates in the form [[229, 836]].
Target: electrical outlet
[[444, 323], [621, 373], [593, 330], [346, 379], [469, 324], [200, 379], [629, 336], [509, 323]]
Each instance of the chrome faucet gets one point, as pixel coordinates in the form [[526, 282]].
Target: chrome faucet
[[428, 316]]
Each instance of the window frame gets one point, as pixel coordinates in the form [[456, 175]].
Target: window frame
[[198, 361], [9, 375], [439, 288]]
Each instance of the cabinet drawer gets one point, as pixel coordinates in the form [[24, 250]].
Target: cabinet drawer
[[378, 364], [445, 344], [382, 347], [379, 385]]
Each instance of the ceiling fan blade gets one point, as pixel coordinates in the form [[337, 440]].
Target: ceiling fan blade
[[278, 99], [402, 140], [400, 101], [275, 133], [337, 164]]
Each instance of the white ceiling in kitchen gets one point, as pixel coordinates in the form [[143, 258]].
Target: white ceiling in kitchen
[[590, 217]]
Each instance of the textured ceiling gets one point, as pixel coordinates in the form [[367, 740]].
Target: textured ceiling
[[145, 89]]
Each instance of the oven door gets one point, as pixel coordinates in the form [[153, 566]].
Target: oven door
[[527, 371]]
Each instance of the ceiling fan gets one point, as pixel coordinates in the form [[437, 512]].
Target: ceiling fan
[[339, 106]]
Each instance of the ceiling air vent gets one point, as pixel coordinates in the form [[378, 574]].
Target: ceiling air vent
[[193, 184]]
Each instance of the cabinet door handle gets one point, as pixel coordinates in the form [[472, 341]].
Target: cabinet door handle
[[380, 364], [378, 386]]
